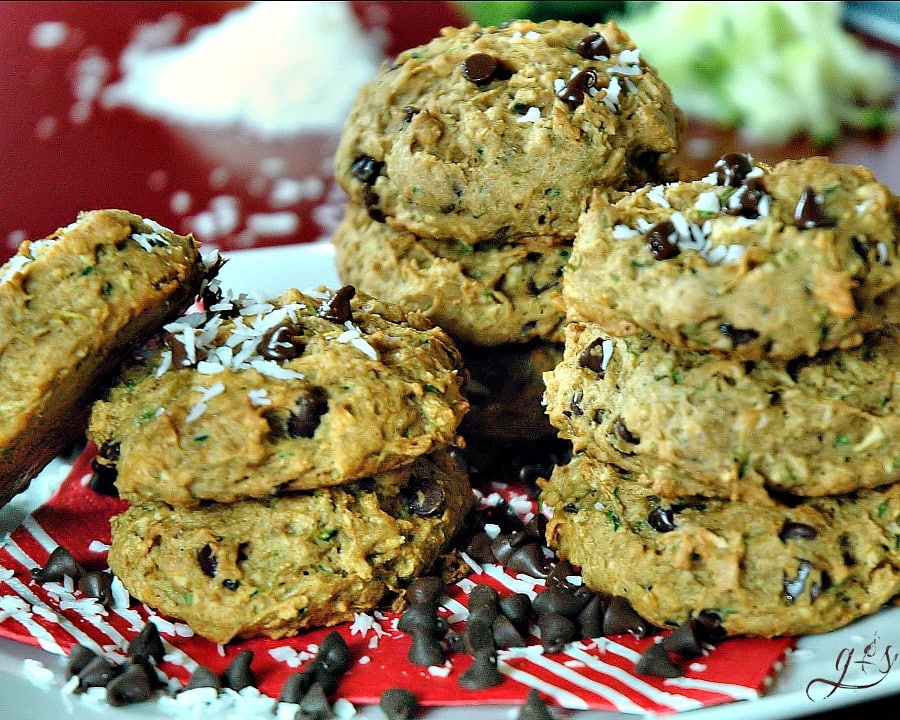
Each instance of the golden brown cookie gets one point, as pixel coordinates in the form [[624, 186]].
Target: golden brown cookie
[[273, 567], [251, 398], [71, 306], [488, 294], [494, 132], [807, 566], [752, 261], [694, 423]]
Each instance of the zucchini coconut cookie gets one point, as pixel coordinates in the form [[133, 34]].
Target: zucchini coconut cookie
[[71, 306], [752, 261], [493, 132], [691, 423], [808, 566], [274, 566], [248, 398]]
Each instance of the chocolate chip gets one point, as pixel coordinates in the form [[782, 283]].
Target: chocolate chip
[[797, 531], [426, 650], [425, 590], [561, 572], [708, 627], [310, 408], [528, 560], [135, 684], [79, 657], [662, 519], [175, 345], [793, 587], [505, 634], [483, 672], [423, 617], [479, 632], [484, 598], [738, 336], [683, 640], [662, 240], [655, 661], [337, 308], [103, 477], [575, 403], [314, 705], [573, 92], [283, 342], [366, 169], [593, 47], [590, 619], [238, 675], [97, 584], [147, 644], [731, 169], [479, 547], [398, 704], [591, 357], [749, 198], [623, 432], [294, 688], [620, 618], [230, 584], [534, 707], [810, 211], [556, 631], [333, 654], [505, 544], [409, 112], [561, 600], [481, 68], [518, 609], [424, 496], [60, 564], [208, 561], [97, 673], [203, 677]]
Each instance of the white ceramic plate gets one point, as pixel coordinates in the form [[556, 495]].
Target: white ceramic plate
[[842, 668]]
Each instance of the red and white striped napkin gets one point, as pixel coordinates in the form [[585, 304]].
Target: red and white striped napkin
[[593, 674]]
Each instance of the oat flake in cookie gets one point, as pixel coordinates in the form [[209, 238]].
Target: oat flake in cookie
[[808, 566], [752, 261], [251, 398], [499, 131], [691, 423], [71, 305], [306, 559]]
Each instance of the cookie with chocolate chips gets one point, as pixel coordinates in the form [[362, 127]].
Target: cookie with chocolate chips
[[71, 306], [492, 132], [253, 397], [486, 294], [752, 261], [691, 423], [274, 566], [797, 566]]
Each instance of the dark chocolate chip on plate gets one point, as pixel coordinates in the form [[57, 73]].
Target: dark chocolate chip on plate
[[655, 661]]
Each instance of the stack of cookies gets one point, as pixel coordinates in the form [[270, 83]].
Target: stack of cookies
[[467, 163], [730, 387], [288, 462]]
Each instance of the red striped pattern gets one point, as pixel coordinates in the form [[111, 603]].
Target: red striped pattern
[[592, 674]]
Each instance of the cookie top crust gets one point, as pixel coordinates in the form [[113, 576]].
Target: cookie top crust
[[751, 261], [71, 306], [503, 131], [255, 397]]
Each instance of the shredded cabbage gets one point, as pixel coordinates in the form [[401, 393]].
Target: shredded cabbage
[[773, 70]]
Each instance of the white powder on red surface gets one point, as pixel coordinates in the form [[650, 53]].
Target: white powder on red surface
[[271, 68]]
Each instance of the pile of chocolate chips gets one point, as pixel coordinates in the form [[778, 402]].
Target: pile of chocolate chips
[[564, 611], [62, 564]]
